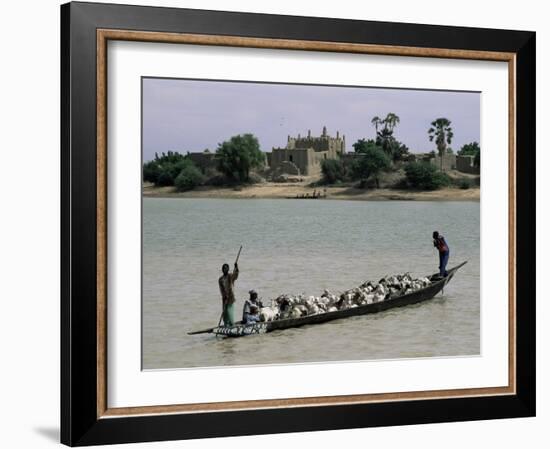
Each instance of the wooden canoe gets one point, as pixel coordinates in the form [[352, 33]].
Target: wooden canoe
[[241, 330]]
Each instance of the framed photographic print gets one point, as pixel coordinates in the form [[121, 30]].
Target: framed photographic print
[[279, 224]]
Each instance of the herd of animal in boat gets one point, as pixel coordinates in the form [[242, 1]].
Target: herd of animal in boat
[[296, 306]]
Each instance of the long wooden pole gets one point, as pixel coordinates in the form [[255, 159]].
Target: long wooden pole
[[238, 254]]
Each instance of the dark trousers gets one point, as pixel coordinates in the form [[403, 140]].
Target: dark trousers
[[443, 259]]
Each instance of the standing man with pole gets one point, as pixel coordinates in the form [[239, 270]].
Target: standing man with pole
[[443, 248], [226, 282]]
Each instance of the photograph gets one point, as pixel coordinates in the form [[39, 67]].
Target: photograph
[[304, 223], [273, 223]]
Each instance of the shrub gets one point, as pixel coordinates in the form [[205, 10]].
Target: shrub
[[188, 178], [333, 170], [464, 184], [425, 176], [165, 178], [173, 169]]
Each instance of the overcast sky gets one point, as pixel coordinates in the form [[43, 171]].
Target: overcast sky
[[190, 115]]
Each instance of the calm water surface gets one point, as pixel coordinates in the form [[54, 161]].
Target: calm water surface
[[295, 246]]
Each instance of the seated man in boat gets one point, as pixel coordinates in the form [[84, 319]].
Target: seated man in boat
[[251, 309], [226, 282], [443, 248]]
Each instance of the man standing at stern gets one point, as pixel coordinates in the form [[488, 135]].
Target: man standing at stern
[[226, 282], [443, 248]]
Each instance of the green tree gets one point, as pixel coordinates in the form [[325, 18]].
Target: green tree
[[372, 160], [189, 177], [333, 170], [238, 155], [424, 175], [384, 136], [442, 132], [471, 149], [386, 141]]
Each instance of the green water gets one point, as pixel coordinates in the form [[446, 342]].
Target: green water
[[295, 246]]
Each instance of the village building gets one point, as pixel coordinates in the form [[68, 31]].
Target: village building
[[204, 160], [451, 161], [303, 155], [465, 164], [448, 163]]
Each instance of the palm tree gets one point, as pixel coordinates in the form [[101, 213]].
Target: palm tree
[[390, 121], [443, 133], [384, 137], [376, 121]]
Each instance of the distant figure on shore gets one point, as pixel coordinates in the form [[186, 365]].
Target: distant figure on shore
[[226, 282], [443, 248], [251, 309]]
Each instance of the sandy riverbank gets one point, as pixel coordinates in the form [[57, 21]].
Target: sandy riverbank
[[278, 190]]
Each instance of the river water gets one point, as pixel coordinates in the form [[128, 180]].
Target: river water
[[295, 246]]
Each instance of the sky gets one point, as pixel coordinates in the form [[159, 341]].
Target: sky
[[192, 115]]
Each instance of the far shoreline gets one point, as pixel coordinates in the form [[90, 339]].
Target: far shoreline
[[296, 191]]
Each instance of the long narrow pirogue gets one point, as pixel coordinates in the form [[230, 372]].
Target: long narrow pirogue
[[240, 330]]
